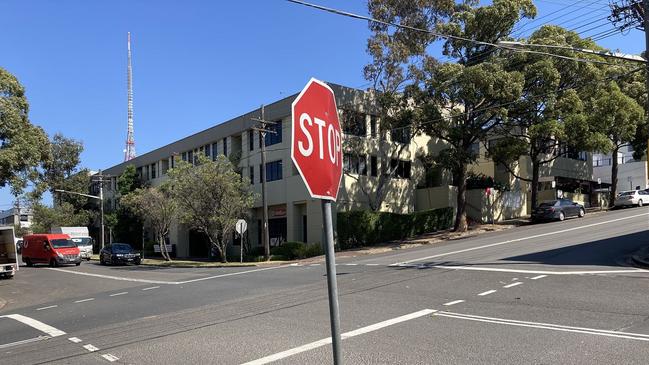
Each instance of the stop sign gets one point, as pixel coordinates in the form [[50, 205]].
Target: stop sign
[[316, 140]]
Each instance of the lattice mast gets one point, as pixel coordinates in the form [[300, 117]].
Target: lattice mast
[[129, 151]]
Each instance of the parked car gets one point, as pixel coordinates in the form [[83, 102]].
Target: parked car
[[52, 249], [631, 197], [558, 209], [119, 253]]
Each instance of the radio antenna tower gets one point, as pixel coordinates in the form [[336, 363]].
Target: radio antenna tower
[[129, 152]]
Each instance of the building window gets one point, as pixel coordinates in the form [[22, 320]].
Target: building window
[[208, 151], [374, 121], [251, 139], [274, 170], [373, 166], [173, 161], [354, 123], [184, 156], [401, 135], [274, 136], [225, 146], [401, 168], [153, 171], [190, 156], [214, 151], [355, 164], [252, 174], [24, 218]]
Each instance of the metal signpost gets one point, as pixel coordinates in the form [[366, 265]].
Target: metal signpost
[[241, 226], [316, 152]]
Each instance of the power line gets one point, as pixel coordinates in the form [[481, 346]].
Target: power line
[[551, 20]]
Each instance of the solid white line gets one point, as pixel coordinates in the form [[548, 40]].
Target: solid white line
[[314, 265], [372, 264], [486, 293], [75, 339], [48, 307], [351, 264], [53, 332], [90, 348], [84, 300], [539, 277], [548, 326], [512, 284], [120, 293], [109, 357], [545, 272], [152, 287], [326, 341], [30, 340], [453, 302], [230, 274], [522, 239]]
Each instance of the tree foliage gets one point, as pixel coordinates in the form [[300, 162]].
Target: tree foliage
[[23, 146], [63, 215], [211, 197]]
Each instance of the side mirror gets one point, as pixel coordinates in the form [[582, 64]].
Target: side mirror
[[46, 246]]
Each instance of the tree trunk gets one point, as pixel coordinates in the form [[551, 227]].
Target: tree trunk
[[535, 182], [611, 199], [163, 248], [460, 217]]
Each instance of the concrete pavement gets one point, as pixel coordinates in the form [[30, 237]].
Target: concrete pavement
[[557, 292]]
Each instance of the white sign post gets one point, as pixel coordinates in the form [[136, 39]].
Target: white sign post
[[241, 227]]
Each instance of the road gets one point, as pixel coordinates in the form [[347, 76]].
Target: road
[[559, 292]]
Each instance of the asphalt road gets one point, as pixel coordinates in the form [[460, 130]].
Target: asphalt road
[[560, 292]]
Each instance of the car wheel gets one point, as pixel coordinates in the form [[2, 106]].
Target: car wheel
[[53, 263], [640, 202], [582, 212], [101, 260], [28, 262], [562, 216]]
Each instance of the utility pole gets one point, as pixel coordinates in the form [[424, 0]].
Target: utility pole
[[261, 128], [645, 22]]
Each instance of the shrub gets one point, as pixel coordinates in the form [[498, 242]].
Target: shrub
[[296, 250], [367, 228]]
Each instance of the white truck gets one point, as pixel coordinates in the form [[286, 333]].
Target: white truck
[[80, 236], [8, 254]]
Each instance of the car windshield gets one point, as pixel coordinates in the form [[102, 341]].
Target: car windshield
[[121, 248], [62, 243], [548, 204], [83, 241], [627, 193]]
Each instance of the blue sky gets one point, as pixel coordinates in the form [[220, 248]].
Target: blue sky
[[195, 63]]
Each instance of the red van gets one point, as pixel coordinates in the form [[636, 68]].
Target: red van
[[51, 249]]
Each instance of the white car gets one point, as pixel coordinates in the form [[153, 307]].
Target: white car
[[632, 197]]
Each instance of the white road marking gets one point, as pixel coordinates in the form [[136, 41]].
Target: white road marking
[[486, 293], [314, 265], [29, 340], [351, 264], [90, 348], [512, 284], [84, 300], [372, 264], [109, 357], [48, 307], [31, 322], [453, 302], [519, 239], [544, 272], [152, 287], [75, 339], [165, 282], [547, 326], [117, 294], [539, 277], [346, 335]]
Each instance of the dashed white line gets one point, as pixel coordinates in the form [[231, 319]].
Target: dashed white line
[[90, 348], [48, 307], [453, 302], [117, 294], [151, 287], [372, 264], [351, 264], [512, 284], [314, 265], [539, 277], [109, 357], [346, 335], [486, 293], [74, 339], [84, 300]]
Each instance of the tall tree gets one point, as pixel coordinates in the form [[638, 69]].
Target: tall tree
[[128, 226], [457, 103], [211, 197], [23, 146]]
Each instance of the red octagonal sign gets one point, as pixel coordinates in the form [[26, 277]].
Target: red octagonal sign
[[316, 140]]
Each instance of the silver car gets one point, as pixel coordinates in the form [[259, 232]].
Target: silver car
[[632, 197]]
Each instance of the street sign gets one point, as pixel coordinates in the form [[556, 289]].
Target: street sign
[[241, 226], [316, 151], [316, 140]]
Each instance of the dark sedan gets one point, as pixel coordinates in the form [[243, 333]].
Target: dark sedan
[[119, 253], [558, 209]]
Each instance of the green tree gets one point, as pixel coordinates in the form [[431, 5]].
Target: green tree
[[458, 103], [63, 215], [128, 226], [23, 146], [154, 206], [211, 197]]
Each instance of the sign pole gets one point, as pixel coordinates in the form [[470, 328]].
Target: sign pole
[[331, 282]]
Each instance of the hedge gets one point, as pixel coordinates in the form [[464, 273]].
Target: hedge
[[367, 228], [296, 250]]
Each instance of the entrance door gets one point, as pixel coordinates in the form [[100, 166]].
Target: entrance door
[[277, 231]]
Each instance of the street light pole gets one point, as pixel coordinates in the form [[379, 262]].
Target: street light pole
[[101, 201], [645, 22]]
